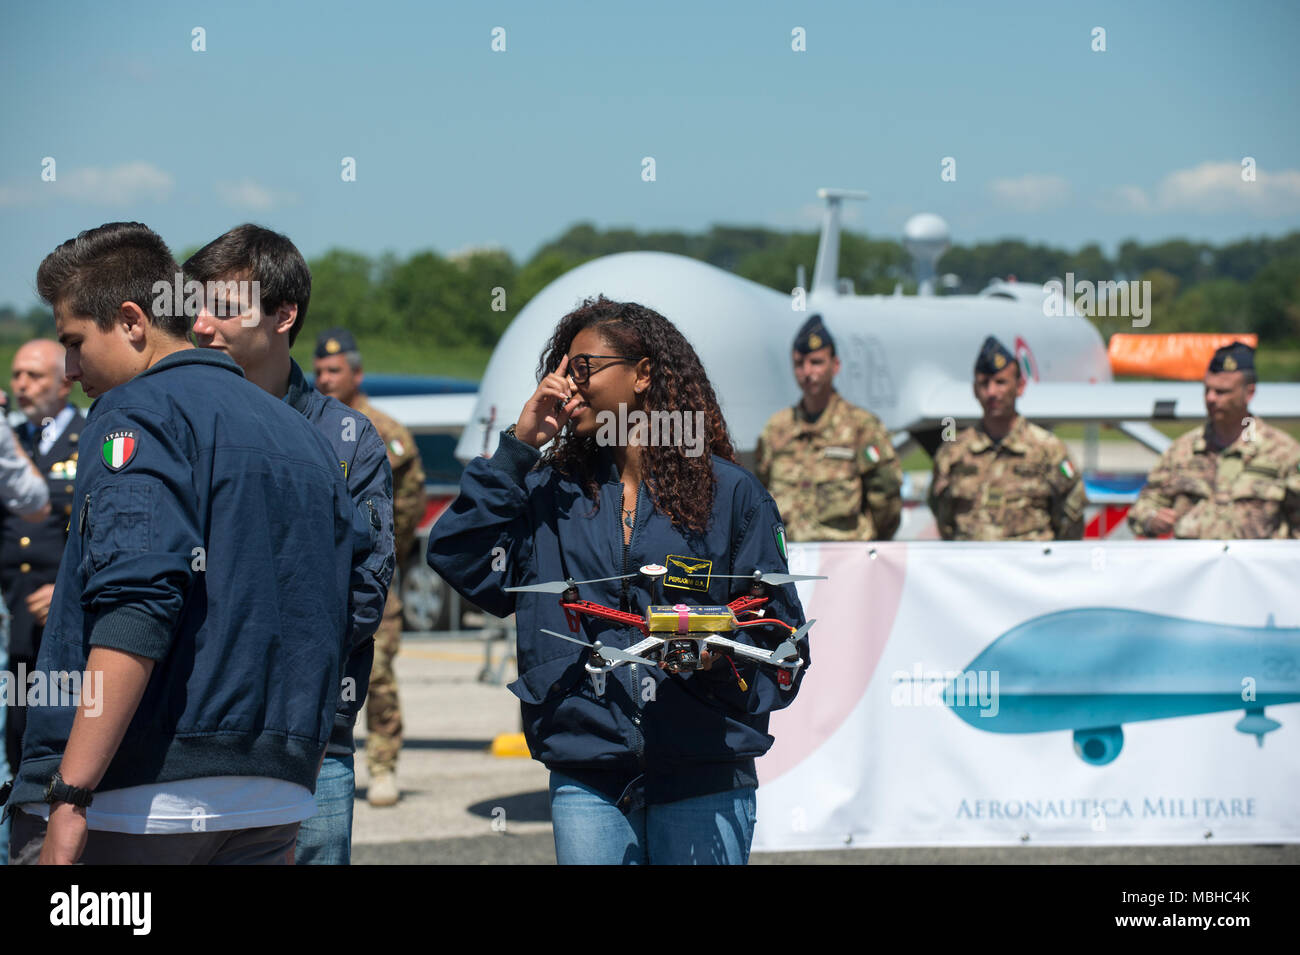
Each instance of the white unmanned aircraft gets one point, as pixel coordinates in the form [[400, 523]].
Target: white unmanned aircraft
[[906, 358]]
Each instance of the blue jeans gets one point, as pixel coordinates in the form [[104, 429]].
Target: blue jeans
[[590, 829], [326, 838]]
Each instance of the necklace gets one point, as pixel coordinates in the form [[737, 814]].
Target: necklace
[[627, 512]]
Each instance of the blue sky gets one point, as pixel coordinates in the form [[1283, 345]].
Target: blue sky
[[458, 146]]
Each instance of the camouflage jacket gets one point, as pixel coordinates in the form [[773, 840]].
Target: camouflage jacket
[[408, 476], [1250, 489], [1024, 488], [837, 478]]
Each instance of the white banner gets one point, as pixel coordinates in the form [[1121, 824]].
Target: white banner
[[1066, 693]]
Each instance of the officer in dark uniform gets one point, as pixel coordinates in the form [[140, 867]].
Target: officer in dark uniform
[[30, 553]]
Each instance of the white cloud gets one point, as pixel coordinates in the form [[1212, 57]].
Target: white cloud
[[247, 194], [1217, 187], [1031, 192], [1127, 199], [110, 186]]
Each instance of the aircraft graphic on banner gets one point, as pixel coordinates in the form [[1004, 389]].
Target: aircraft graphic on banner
[[1091, 670]]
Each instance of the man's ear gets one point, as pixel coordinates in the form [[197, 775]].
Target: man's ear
[[132, 321], [285, 316], [1021, 381]]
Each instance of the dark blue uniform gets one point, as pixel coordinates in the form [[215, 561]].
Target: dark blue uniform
[[689, 734], [197, 497], [363, 459]]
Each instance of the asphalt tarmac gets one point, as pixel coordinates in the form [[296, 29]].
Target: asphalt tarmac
[[461, 805]]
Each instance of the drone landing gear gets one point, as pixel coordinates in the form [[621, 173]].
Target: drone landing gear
[[597, 679]]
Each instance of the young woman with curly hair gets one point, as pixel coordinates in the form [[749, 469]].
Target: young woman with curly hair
[[659, 768]]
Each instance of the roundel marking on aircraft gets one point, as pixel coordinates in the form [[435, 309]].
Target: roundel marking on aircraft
[[1028, 364], [856, 617]]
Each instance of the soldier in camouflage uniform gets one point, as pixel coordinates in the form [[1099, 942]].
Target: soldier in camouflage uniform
[[830, 466], [338, 374], [1006, 479], [1234, 477]]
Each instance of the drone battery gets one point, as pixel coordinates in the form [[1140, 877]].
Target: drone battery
[[680, 618]]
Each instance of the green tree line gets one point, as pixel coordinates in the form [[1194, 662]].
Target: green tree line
[[466, 301]]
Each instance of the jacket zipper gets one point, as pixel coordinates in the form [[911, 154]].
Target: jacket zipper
[[638, 739]]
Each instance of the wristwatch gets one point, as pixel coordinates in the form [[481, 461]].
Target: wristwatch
[[56, 790]]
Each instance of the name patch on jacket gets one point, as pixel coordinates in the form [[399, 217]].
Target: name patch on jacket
[[688, 573], [119, 449]]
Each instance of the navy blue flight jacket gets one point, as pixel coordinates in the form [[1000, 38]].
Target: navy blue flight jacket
[[363, 459], [212, 534], [682, 735]]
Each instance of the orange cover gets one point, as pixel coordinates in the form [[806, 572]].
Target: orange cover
[[1183, 356]]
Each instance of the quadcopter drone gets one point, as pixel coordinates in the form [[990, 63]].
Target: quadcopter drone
[[676, 635]]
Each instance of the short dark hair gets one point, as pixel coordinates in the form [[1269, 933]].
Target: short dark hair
[[101, 268], [267, 257]]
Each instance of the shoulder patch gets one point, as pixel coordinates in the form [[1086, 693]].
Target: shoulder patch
[[118, 450], [872, 454], [397, 447], [1067, 469]]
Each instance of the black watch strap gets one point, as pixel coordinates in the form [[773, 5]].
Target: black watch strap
[[56, 790]]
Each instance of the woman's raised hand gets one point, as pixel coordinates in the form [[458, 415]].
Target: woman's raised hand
[[549, 409]]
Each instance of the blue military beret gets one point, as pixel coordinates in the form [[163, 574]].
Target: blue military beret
[[993, 357], [1234, 357], [812, 336], [334, 341]]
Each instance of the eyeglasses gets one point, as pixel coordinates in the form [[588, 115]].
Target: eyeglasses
[[580, 365]]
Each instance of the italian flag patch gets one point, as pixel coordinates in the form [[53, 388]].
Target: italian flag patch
[[872, 454], [119, 449], [1067, 469], [778, 531]]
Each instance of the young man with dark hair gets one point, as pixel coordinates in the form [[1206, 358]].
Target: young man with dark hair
[[208, 652], [258, 338]]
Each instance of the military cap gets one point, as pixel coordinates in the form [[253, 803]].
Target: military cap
[[812, 336], [334, 341], [993, 357], [1234, 357]]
